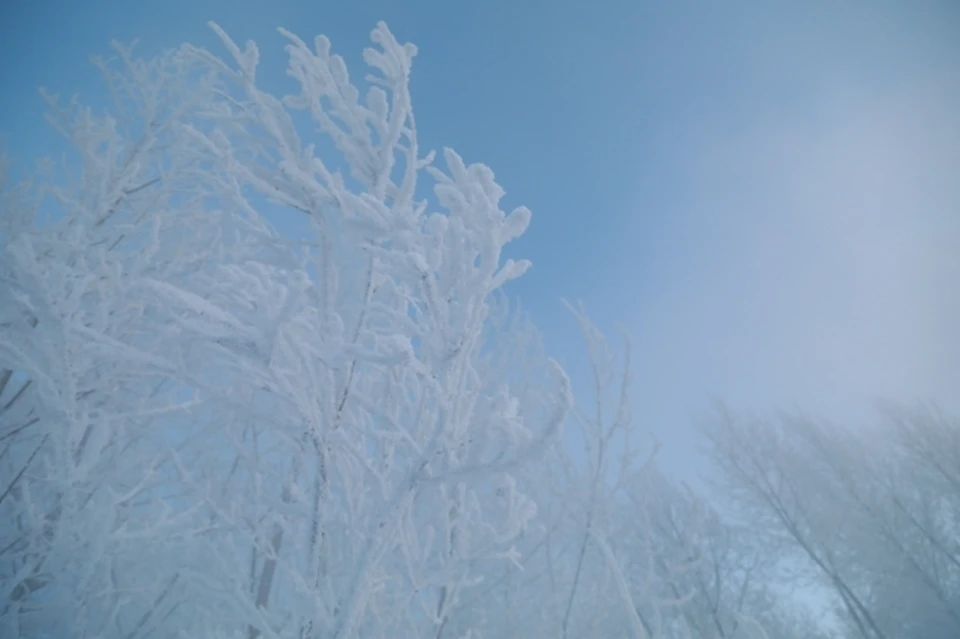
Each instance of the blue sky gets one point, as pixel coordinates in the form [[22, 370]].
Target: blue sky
[[765, 195]]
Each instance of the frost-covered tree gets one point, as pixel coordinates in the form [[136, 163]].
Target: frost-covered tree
[[575, 581], [88, 391], [258, 378], [870, 515], [620, 550], [234, 432]]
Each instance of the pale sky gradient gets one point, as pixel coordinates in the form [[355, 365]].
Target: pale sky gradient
[[766, 195], [818, 256]]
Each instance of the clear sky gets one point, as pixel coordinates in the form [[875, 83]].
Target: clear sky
[[766, 195]]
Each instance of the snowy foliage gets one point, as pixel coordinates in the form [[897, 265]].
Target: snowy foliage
[[211, 426], [226, 432]]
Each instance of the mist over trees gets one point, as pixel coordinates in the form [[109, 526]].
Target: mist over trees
[[212, 428], [870, 516]]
